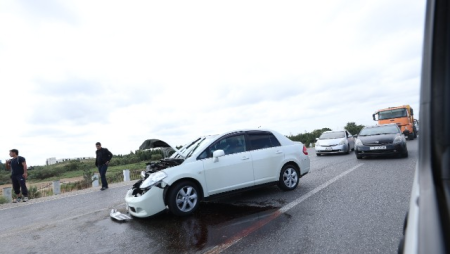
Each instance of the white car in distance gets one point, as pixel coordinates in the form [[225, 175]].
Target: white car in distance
[[335, 142], [212, 166]]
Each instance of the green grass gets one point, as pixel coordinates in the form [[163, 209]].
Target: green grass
[[78, 173]]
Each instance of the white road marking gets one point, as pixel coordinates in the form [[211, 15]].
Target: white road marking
[[260, 224]]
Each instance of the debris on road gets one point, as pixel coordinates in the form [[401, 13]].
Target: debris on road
[[118, 215]]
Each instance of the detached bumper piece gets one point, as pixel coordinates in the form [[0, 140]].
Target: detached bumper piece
[[119, 216]]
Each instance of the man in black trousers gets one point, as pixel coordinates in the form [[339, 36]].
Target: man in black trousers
[[19, 173], [103, 158]]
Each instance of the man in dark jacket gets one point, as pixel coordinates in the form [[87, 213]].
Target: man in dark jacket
[[103, 158], [18, 168]]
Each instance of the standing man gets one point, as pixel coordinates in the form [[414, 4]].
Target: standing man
[[18, 168], [103, 158]]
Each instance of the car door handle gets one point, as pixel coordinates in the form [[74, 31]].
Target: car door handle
[[245, 158], [278, 152]]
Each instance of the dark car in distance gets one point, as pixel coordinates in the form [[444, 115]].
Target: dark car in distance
[[378, 140]]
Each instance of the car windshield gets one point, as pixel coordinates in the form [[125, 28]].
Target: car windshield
[[187, 150], [379, 130], [395, 113], [332, 135]]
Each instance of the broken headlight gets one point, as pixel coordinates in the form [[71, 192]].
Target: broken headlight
[[153, 179]]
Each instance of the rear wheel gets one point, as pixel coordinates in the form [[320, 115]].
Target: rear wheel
[[184, 198], [318, 154], [289, 177]]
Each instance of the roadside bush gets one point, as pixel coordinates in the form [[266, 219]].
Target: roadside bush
[[113, 178], [44, 173], [80, 185], [156, 157], [114, 162], [87, 175], [3, 200], [46, 193], [5, 178], [33, 192], [73, 165]]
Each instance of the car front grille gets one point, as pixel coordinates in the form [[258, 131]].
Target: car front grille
[[377, 144]]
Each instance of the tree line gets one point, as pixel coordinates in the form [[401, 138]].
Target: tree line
[[308, 138]]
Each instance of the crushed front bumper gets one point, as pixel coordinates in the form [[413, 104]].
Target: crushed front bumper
[[150, 203]]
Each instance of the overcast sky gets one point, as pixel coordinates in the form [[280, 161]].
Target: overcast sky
[[76, 72]]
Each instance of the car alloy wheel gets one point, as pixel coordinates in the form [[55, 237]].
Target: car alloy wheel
[[288, 178], [184, 198]]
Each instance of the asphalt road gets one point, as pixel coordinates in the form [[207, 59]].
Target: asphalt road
[[343, 205]]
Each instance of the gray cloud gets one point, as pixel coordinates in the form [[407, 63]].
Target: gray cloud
[[49, 10]]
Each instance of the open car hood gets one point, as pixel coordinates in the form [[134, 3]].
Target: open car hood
[[157, 143]]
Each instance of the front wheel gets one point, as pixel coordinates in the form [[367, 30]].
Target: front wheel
[[289, 178], [184, 198], [405, 154]]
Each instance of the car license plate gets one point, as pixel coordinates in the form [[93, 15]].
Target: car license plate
[[328, 148], [377, 147]]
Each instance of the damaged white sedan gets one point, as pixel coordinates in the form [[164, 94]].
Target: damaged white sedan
[[213, 166]]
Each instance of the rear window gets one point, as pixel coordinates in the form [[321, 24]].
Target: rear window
[[262, 139]]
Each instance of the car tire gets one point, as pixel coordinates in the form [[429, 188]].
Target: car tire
[[289, 177], [358, 156], [348, 149], [405, 154], [183, 198], [318, 154]]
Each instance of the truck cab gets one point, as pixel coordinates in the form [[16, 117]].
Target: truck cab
[[403, 116]]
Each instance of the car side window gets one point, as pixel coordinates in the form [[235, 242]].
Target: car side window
[[261, 140], [230, 145]]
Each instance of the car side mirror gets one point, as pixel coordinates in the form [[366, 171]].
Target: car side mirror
[[317, 138], [217, 154]]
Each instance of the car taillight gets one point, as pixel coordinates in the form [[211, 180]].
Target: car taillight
[[305, 151]]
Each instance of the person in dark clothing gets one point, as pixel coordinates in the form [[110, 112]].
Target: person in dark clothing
[[103, 158], [19, 173]]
